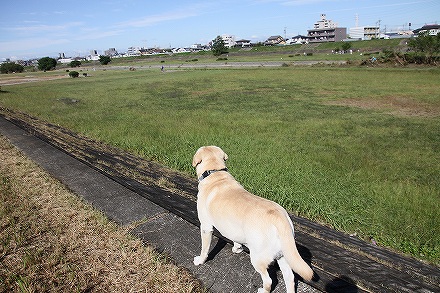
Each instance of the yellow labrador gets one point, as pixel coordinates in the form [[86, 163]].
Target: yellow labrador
[[260, 224]]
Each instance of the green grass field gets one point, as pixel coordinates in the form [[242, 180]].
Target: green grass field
[[355, 148]]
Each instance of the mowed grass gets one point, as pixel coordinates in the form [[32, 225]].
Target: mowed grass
[[355, 148]]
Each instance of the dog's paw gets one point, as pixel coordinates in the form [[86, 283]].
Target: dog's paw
[[198, 260], [237, 248], [261, 290]]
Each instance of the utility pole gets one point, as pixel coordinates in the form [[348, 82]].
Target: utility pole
[[378, 31]]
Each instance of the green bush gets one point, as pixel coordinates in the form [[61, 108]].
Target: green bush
[[73, 74], [75, 63]]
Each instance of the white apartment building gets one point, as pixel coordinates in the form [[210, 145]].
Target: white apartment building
[[229, 40]]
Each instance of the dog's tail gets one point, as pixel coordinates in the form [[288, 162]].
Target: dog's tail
[[290, 251]]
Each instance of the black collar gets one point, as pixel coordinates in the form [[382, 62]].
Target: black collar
[[209, 172]]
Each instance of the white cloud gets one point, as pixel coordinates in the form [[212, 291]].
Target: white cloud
[[32, 43], [196, 9], [39, 28], [95, 34], [301, 2], [155, 19]]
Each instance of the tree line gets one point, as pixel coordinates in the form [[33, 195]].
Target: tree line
[[45, 64]]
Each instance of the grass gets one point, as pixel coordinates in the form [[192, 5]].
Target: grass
[[355, 148], [50, 241]]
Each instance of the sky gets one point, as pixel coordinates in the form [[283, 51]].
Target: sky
[[35, 29]]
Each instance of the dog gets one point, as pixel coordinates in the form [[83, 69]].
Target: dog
[[260, 224]]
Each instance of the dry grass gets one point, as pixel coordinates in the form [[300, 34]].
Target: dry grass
[[50, 241], [396, 105]]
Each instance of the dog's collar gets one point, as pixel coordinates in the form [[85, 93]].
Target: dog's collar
[[209, 172]]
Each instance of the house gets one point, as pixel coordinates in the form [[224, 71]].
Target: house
[[180, 50], [275, 40], [325, 30], [197, 48], [433, 29], [243, 43], [297, 40]]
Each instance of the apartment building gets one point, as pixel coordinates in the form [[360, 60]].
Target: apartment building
[[364, 32], [325, 30]]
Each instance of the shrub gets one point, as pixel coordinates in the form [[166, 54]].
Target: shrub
[[388, 55], [346, 46], [75, 63], [73, 74]]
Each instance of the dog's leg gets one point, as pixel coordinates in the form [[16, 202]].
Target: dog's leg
[[237, 248], [288, 276], [261, 266], [206, 244]]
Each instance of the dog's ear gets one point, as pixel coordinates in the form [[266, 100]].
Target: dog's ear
[[197, 159]]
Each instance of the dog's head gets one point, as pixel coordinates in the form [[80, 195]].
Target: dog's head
[[209, 158]]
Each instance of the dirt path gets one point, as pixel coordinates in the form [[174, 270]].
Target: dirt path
[[11, 79]]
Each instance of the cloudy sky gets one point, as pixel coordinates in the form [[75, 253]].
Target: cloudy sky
[[30, 28]]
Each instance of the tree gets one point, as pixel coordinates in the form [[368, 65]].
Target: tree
[[75, 63], [427, 44], [104, 60], [218, 46], [47, 63], [11, 67]]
